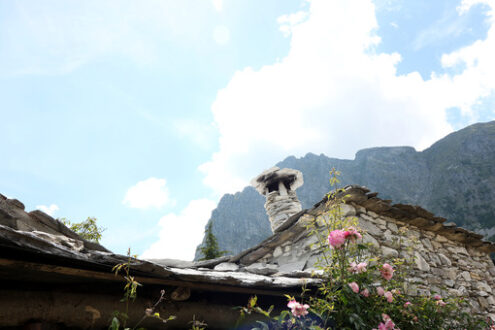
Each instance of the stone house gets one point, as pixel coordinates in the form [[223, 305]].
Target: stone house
[[447, 259], [56, 279]]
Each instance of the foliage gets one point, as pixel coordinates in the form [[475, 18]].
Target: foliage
[[360, 289], [197, 325], [130, 293], [87, 229], [210, 250]]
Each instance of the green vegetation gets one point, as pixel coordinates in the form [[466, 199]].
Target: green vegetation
[[87, 229], [210, 250], [119, 319]]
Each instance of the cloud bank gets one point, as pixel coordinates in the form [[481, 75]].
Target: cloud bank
[[149, 193], [335, 94], [180, 233]]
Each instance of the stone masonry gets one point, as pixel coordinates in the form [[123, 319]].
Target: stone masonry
[[278, 186]]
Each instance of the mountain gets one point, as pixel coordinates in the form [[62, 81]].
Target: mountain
[[454, 178]]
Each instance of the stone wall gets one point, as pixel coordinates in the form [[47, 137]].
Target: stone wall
[[441, 265]]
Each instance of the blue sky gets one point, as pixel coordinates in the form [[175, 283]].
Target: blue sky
[[143, 113]]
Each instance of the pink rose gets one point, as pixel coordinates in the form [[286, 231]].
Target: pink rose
[[387, 271], [388, 325], [361, 267], [353, 267], [437, 297], [336, 239], [354, 287], [352, 234], [407, 304], [298, 309], [365, 293], [380, 291], [389, 296], [441, 303]]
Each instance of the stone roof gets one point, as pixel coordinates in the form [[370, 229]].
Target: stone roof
[[44, 243]]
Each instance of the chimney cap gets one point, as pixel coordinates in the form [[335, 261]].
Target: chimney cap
[[292, 178]]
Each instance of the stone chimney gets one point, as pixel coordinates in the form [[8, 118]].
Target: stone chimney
[[279, 187]]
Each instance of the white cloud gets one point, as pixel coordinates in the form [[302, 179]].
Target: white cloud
[[180, 233], [476, 81], [50, 210], [286, 22], [148, 193], [467, 4], [334, 94]]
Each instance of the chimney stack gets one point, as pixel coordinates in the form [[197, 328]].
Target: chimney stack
[[279, 187]]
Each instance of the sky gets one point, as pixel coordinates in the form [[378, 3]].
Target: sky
[[144, 113]]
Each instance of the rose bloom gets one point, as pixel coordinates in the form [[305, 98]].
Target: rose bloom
[[380, 291], [352, 234], [437, 297], [441, 303], [298, 309], [389, 296], [336, 238], [352, 267], [407, 304], [387, 271], [361, 267], [388, 325], [354, 286], [365, 293]]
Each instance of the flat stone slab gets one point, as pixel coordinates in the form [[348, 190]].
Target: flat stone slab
[[226, 267]]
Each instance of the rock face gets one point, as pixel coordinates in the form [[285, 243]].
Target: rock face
[[239, 221], [454, 178]]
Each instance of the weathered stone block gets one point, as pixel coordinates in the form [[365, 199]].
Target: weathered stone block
[[226, 267], [368, 226], [444, 260], [466, 276], [483, 286], [347, 210], [393, 227], [277, 252], [262, 269], [421, 263], [389, 252], [367, 238]]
